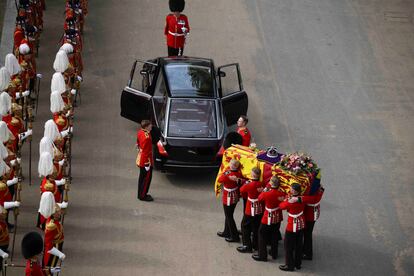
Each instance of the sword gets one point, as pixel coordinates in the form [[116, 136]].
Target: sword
[[37, 92]]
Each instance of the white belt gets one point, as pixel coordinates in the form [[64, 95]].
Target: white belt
[[295, 216], [252, 213], [175, 34], [229, 191], [269, 215], [315, 210]]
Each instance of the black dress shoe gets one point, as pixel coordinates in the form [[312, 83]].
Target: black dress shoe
[[298, 267], [222, 234], [232, 240], [257, 258], [285, 268], [244, 249], [147, 198], [307, 257]]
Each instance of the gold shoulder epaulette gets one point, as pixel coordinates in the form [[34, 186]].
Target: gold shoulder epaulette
[[49, 186], [51, 225], [3, 186]]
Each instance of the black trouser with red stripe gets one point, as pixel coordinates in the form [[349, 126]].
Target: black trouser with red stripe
[[250, 225], [230, 228], [268, 233], [293, 248], [144, 181], [307, 239]]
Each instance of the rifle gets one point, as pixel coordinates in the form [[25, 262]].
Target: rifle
[[17, 198]]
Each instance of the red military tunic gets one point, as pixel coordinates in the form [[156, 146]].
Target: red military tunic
[[230, 187], [272, 213], [144, 143], [18, 37], [251, 190], [173, 30], [53, 237], [245, 134], [296, 219], [4, 234], [312, 207], [33, 268], [4, 193], [49, 185]]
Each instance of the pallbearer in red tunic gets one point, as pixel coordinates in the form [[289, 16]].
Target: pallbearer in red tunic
[[243, 130], [176, 28], [271, 197], [312, 212], [253, 211], [294, 230], [230, 179], [144, 160]]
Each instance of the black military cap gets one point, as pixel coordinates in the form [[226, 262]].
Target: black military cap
[[32, 245], [21, 20], [177, 5], [232, 138], [71, 33], [24, 3]]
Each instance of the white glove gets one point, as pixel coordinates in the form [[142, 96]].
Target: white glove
[[13, 162], [63, 205], [3, 254], [147, 168], [26, 93], [12, 182], [26, 134], [55, 270], [73, 91], [67, 114], [60, 182], [39, 76], [61, 162], [64, 133], [79, 78], [56, 252], [19, 160], [11, 204]]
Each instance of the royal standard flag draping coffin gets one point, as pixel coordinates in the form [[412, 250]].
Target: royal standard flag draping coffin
[[247, 158]]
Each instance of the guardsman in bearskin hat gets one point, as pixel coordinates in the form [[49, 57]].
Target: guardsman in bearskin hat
[[144, 160], [176, 28], [32, 247], [271, 197], [230, 179]]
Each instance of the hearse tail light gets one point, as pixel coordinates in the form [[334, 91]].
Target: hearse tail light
[[161, 149]]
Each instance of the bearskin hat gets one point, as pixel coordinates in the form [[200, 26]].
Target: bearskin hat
[[24, 3], [232, 138], [177, 5], [32, 245]]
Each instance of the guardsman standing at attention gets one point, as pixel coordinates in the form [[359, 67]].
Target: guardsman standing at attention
[[294, 230], [144, 160], [176, 28], [230, 179], [53, 237], [32, 247], [243, 130], [253, 211]]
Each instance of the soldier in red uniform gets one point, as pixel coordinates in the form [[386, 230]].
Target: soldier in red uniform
[[19, 33], [271, 197], [312, 212], [243, 130], [176, 28], [144, 160], [231, 179], [294, 230], [253, 211], [53, 238], [32, 247]]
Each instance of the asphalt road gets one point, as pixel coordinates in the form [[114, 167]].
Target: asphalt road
[[333, 78]]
